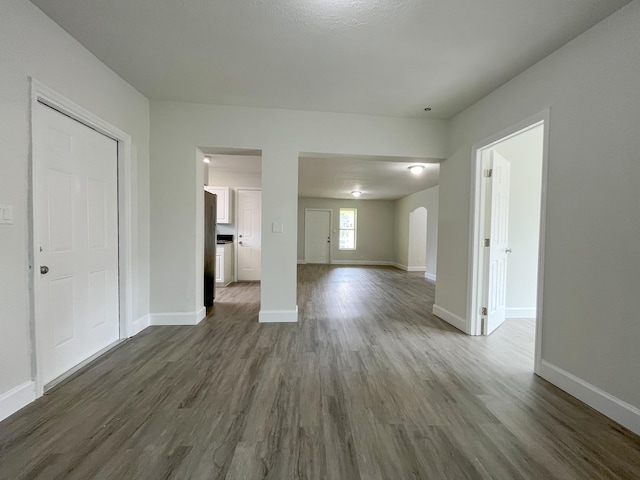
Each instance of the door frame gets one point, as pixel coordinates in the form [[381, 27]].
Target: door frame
[[41, 93], [236, 249], [330, 230], [476, 217]]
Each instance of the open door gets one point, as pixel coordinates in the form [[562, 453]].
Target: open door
[[497, 237]]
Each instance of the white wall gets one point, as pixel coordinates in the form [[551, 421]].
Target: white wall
[[590, 321], [428, 199], [178, 128], [524, 152], [33, 45], [374, 235], [417, 258]]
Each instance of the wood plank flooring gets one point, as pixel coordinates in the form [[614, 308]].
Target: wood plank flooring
[[368, 385]]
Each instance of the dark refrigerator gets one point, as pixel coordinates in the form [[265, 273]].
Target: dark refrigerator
[[210, 215]]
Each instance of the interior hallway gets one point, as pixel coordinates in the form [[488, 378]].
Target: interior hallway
[[368, 385]]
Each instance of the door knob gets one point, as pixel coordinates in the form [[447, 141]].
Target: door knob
[[44, 269], [239, 243], [508, 250]]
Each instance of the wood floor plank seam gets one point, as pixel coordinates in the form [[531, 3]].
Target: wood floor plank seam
[[368, 385]]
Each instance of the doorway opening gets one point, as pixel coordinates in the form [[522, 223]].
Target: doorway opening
[[508, 204], [234, 176]]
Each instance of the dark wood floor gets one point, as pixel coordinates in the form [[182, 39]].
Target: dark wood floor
[[368, 385]]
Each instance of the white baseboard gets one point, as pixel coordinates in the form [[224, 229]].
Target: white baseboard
[[278, 316], [186, 318], [428, 276], [447, 316], [16, 398], [301, 262], [520, 312], [381, 263], [622, 412], [139, 324]]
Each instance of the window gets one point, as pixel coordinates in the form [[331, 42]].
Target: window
[[348, 228]]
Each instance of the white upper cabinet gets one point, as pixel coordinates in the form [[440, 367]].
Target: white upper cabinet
[[223, 204]]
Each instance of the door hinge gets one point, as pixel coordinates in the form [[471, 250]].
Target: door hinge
[[487, 242], [488, 173], [484, 311]]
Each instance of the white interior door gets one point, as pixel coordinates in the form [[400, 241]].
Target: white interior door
[[76, 230], [249, 234], [317, 236], [497, 231]]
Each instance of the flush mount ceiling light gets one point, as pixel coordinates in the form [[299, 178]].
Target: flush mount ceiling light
[[356, 193], [416, 169], [207, 159]]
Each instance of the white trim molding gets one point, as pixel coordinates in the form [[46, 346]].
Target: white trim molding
[[41, 93], [278, 316], [178, 318], [416, 269], [301, 262], [474, 263], [17, 398], [430, 276], [451, 318], [520, 312], [378, 263], [139, 324], [622, 412]]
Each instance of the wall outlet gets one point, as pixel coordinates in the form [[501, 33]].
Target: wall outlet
[[6, 215]]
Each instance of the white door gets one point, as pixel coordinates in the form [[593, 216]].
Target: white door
[[249, 234], [76, 230], [497, 231], [317, 235]]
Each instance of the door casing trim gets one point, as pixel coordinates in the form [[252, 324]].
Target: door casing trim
[[41, 93], [474, 323]]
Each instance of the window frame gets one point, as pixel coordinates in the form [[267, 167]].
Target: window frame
[[354, 229]]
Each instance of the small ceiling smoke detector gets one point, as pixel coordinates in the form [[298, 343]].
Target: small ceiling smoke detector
[[356, 193], [416, 169], [207, 159]]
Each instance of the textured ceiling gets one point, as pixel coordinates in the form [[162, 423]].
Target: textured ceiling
[[377, 178], [336, 176], [382, 57]]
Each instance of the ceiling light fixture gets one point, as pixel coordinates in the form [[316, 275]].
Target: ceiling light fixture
[[427, 109], [356, 193], [416, 169], [207, 159]]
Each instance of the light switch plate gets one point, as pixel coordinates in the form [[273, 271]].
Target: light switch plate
[[6, 215], [277, 227]]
